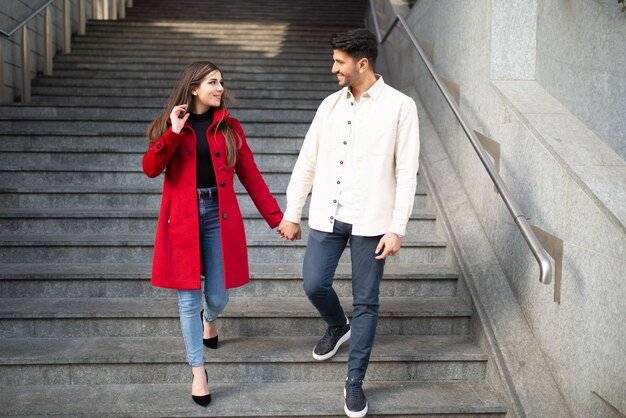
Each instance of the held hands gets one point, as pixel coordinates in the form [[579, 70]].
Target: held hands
[[289, 230], [177, 121], [389, 245]]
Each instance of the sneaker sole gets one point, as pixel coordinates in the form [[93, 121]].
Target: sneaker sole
[[353, 414], [334, 350]]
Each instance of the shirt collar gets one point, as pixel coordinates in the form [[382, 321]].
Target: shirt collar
[[372, 93]]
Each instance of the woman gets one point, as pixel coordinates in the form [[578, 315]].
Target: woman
[[200, 225]]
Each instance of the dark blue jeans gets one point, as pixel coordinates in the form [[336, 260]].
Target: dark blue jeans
[[322, 255]]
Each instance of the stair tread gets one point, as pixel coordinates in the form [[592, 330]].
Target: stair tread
[[267, 349], [249, 399], [269, 239], [143, 271], [21, 213], [96, 188], [238, 307]]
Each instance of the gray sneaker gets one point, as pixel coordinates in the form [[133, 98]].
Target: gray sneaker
[[356, 403], [328, 345]]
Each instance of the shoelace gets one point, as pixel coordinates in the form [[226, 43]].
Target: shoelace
[[330, 334], [354, 388]]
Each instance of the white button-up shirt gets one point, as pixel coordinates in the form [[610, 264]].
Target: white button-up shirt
[[383, 162]]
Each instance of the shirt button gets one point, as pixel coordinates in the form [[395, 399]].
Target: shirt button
[[222, 184], [349, 123], [334, 201], [332, 217], [158, 146], [340, 162], [338, 182], [225, 215], [217, 154], [345, 142], [351, 103]]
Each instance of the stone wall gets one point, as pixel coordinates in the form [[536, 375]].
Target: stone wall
[[11, 13], [496, 56], [581, 60]]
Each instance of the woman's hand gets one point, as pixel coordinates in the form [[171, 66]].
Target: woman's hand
[[177, 121], [289, 230]]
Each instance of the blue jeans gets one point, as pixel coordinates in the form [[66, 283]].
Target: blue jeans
[[322, 255], [215, 295]]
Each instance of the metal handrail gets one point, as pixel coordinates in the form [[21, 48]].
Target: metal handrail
[[48, 52], [540, 254], [28, 19]]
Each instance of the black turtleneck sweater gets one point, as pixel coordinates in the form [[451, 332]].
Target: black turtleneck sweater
[[205, 176]]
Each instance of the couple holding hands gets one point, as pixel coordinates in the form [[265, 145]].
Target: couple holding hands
[[359, 160]]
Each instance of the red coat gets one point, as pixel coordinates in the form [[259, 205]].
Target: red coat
[[176, 260]]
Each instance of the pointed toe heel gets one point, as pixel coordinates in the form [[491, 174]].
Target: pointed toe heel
[[211, 342], [203, 400]]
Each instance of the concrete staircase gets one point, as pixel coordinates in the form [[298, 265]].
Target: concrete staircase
[[82, 332]]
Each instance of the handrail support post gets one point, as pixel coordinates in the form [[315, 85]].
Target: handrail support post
[[25, 65], [122, 11], [47, 53], [67, 27], [1, 71], [82, 21]]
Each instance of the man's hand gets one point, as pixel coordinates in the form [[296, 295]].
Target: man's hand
[[389, 244], [289, 230]]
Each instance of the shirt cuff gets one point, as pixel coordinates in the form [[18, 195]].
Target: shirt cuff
[[398, 227], [293, 215]]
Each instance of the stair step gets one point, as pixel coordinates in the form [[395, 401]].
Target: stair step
[[143, 220], [137, 248], [156, 103], [268, 280], [328, 85], [239, 74], [267, 399], [252, 128], [107, 198], [120, 161], [252, 46], [321, 62], [126, 142], [163, 93], [70, 114], [248, 39], [319, 31], [277, 181], [75, 271], [230, 68], [60, 176], [245, 316], [100, 361]]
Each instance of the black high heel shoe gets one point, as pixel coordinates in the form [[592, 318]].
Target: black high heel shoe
[[203, 400], [209, 342]]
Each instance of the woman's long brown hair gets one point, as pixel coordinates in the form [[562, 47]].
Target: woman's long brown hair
[[190, 78]]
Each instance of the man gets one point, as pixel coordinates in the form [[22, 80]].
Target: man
[[360, 157]]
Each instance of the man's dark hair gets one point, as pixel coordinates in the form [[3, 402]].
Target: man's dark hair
[[358, 43]]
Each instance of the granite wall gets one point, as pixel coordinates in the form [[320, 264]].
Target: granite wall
[[11, 14], [502, 59]]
